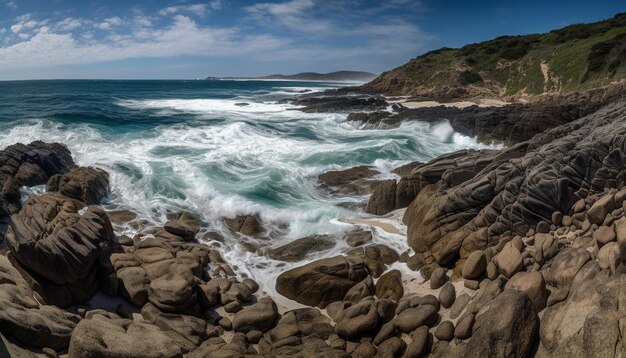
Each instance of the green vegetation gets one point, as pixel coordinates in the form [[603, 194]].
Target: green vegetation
[[573, 58]]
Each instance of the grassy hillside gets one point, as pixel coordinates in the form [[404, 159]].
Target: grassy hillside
[[573, 58]]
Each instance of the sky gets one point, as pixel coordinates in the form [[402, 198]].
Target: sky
[[187, 39]]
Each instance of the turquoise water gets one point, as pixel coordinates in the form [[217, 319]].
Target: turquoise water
[[172, 145]]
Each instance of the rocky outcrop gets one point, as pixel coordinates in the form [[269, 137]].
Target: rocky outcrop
[[52, 231], [29, 165], [488, 195], [86, 184]]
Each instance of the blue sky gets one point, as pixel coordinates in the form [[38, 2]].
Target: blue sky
[[193, 39]]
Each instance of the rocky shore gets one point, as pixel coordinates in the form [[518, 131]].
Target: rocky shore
[[520, 252]]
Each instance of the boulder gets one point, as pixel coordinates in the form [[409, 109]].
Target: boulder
[[411, 318], [351, 181], [358, 237], [321, 282], [51, 231], [389, 285], [603, 235], [445, 331], [299, 249], [86, 184], [29, 165], [474, 265], [185, 225], [564, 268], [533, 285], [249, 225], [383, 199], [361, 290], [447, 295], [364, 318], [600, 209], [261, 316], [508, 328], [509, 260], [438, 278], [421, 342]]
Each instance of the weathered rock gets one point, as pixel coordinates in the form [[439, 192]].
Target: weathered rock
[[27, 321], [50, 232], [358, 237], [299, 249], [603, 235], [185, 225], [421, 342], [393, 347], [508, 328], [249, 225], [563, 270], [321, 282], [383, 199], [533, 285], [464, 326], [475, 265], [509, 260], [101, 336], [29, 165], [389, 285], [261, 316], [86, 184], [600, 209], [352, 181], [187, 331], [468, 200]]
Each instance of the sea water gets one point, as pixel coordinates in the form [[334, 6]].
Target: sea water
[[219, 149]]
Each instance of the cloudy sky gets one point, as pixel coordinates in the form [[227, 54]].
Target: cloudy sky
[[193, 39]]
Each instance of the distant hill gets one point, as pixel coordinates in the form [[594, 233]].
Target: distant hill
[[339, 76], [574, 58]]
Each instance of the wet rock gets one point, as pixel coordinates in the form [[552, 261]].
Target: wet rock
[[29, 165], [330, 103], [352, 181], [185, 225], [299, 249], [383, 199], [249, 225], [86, 184], [508, 328], [389, 285], [358, 237], [321, 282], [49, 231]]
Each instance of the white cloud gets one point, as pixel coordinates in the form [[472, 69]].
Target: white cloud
[[69, 24], [196, 9], [182, 37], [25, 23], [292, 14], [109, 23], [11, 5]]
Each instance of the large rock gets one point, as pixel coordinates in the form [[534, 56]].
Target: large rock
[[101, 336], [469, 200], [261, 316], [475, 265], [364, 318], [564, 268], [27, 321], [533, 285], [321, 282], [589, 322], [352, 181], [60, 248], [383, 199], [508, 328], [86, 184], [299, 249], [29, 165]]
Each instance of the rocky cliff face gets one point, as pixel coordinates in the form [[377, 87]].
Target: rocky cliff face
[[575, 58]]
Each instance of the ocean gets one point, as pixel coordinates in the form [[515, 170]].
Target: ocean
[[217, 148]]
